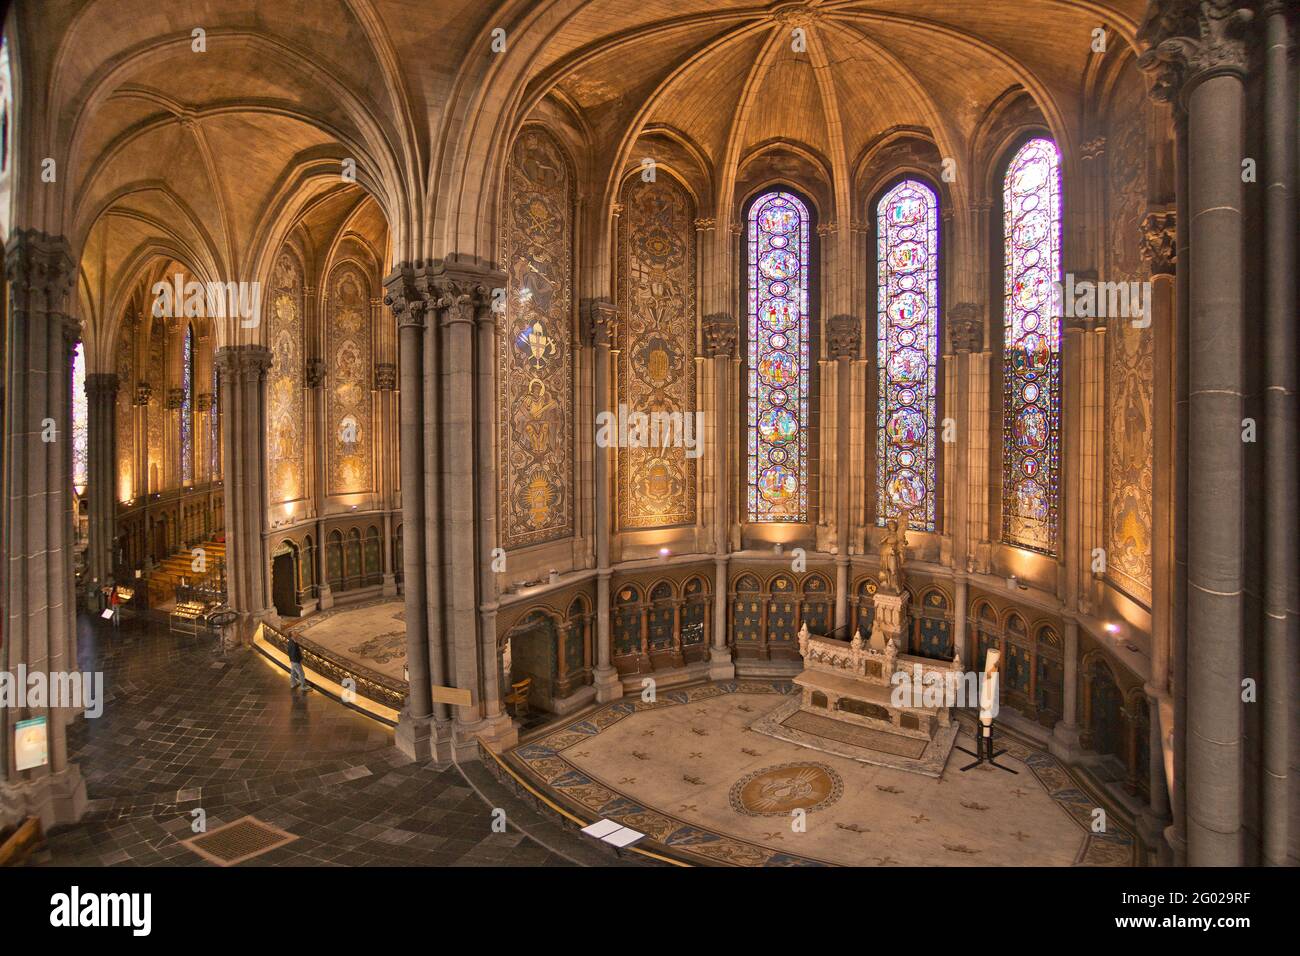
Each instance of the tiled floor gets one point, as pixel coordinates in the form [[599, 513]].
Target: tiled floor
[[184, 728]]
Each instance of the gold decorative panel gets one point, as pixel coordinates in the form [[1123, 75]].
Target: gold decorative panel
[[286, 406], [1130, 356], [349, 412], [536, 363], [657, 347], [125, 414], [156, 418]]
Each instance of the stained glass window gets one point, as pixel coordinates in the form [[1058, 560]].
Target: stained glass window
[[778, 336], [80, 423], [907, 275], [187, 407], [1031, 197]]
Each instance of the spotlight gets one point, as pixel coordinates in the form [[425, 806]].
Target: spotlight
[[1112, 627], [664, 552]]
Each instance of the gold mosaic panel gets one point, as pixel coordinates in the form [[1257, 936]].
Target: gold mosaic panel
[[286, 405], [349, 411]]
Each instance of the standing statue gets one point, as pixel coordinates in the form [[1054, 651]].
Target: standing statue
[[892, 551]]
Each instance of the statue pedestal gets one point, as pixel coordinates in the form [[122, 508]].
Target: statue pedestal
[[890, 622]]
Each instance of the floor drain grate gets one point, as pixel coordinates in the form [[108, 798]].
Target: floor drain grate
[[239, 841]]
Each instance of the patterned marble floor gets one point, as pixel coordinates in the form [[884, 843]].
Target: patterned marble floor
[[688, 771], [372, 633], [185, 728]]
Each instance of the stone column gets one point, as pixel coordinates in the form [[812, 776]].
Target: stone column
[[414, 735], [1065, 735], [36, 580], [386, 386], [1281, 637], [314, 381], [101, 402], [966, 335], [721, 333], [842, 344], [463, 291], [242, 370], [1199, 53], [599, 318], [960, 599]]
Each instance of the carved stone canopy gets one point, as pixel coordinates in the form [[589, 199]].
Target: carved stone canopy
[[721, 333], [1159, 246], [842, 337], [966, 327]]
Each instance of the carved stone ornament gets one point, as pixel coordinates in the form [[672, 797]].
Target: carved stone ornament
[[143, 392], [720, 335], [175, 398], [314, 372], [966, 327], [203, 402], [385, 376], [842, 337], [599, 317], [1188, 40], [1159, 246]]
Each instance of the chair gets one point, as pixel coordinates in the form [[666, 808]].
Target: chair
[[519, 696]]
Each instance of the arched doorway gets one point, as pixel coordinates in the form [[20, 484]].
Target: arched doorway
[[530, 652], [1105, 727], [284, 580]]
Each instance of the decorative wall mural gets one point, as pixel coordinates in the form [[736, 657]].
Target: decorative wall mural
[[778, 369], [657, 342], [286, 436], [125, 369], [1130, 373], [1031, 198], [157, 411], [907, 263], [349, 412], [187, 407], [536, 388]]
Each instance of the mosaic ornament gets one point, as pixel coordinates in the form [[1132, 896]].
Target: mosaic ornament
[[776, 791]]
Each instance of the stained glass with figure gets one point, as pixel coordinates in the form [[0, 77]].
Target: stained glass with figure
[[907, 274], [1031, 196], [778, 340]]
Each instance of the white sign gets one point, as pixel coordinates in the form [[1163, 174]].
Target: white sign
[[31, 744]]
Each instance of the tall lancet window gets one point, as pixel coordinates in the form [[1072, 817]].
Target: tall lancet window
[[778, 339], [1031, 202], [907, 280], [187, 407], [80, 422]]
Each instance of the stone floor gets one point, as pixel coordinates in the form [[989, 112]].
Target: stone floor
[[184, 728], [373, 634]]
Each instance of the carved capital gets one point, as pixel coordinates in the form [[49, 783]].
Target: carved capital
[[40, 271], [405, 296], [705, 223], [313, 372], [842, 337], [203, 402], [1094, 148], [101, 386], [1187, 41], [599, 318], [721, 333], [235, 362], [175, 398], [385, 376], [966, 327], [1159, 246], [143, 392]]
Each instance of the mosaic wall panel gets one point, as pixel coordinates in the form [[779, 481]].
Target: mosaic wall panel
[[1130, 357], [657, 339], [125, 417], [286, 402], [349, 410], [536, 365]]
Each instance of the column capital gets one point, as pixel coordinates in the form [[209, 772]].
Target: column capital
[[143, 392], [234, 361], [203, 402], [466, 289], [843, 337], [1187, 41], [966, 327], [175, 398], [1158, 246], [599, 320], [313, 372], [721, 333], [39, 265], [101, 385], [1094, 148], [385, 376]]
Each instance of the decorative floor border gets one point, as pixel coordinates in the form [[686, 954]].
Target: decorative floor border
[[542, 760]]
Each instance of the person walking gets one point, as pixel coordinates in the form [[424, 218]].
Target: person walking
[[296, 678], [115, 605]]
